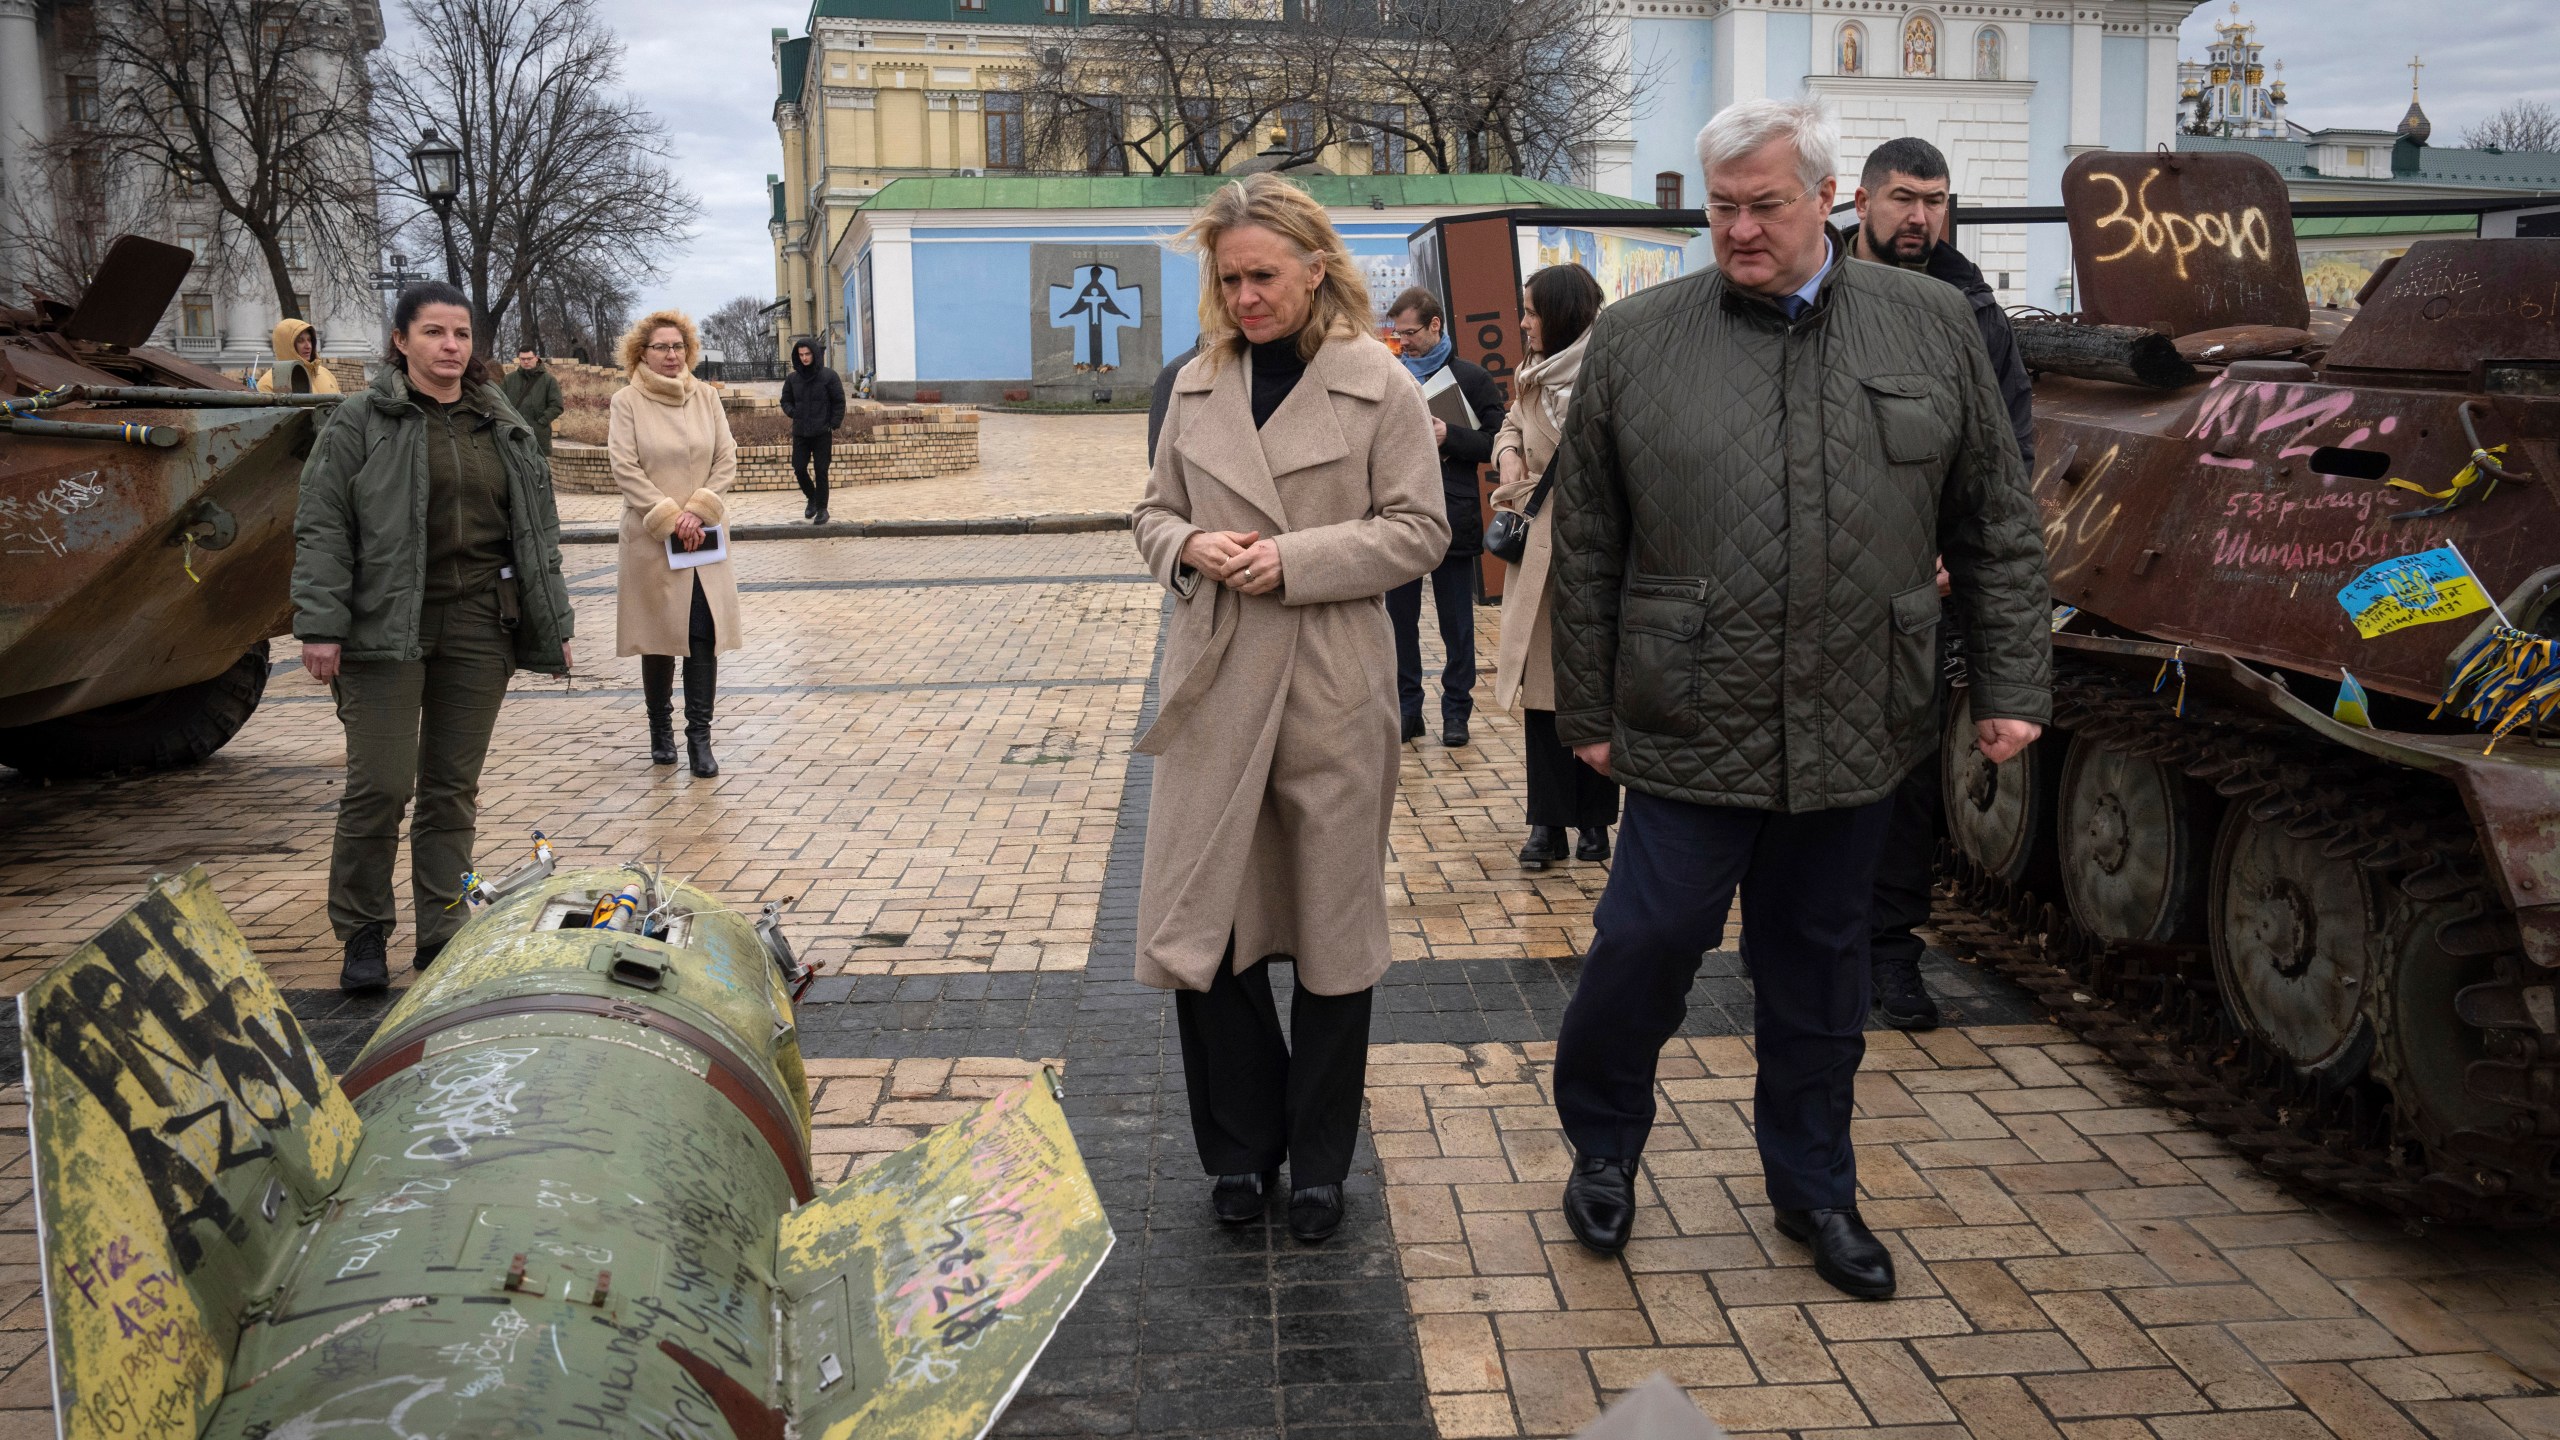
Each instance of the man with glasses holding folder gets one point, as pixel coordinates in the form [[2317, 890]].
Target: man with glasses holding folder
[[1466, 413]]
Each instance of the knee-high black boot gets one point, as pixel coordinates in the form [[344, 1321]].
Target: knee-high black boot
[[658, 693], [701, 678]]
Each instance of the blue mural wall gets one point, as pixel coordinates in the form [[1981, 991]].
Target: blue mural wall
[[1791, 54], [2124, 61], [970, 321]]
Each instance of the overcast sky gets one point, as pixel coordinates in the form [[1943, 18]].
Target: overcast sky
[[706, 67]]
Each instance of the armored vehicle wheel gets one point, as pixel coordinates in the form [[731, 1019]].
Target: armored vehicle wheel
[[2134, 839], [1999, 816], [166, 731], [2294, 937]]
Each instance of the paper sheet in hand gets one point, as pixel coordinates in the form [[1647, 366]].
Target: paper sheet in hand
[[1446, 400], [715, 546]]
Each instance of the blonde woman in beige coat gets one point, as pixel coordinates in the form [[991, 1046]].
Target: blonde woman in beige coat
[[1556, 310], [1296, 482], [673, 459]]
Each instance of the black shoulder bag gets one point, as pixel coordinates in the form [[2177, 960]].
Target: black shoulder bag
[[1507, 538]]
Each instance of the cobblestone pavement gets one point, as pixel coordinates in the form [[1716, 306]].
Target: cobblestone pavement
[[930, 739], [1027, 465]]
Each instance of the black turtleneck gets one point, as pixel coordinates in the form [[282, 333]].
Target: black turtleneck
[[1276, 368]]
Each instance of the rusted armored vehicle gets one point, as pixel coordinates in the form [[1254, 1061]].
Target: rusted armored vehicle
[[2259, 860], [146, 531]]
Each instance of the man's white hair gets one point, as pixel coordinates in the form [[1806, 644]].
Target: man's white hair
[[1743, 127]]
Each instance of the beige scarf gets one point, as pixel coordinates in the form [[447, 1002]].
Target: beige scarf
[[671, 391], [1550, 379]]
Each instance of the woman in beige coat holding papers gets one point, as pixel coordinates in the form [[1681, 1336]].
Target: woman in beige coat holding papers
[[673, 458], [1295, 484]]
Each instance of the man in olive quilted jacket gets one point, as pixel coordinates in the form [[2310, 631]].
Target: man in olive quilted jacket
[[1760, 468]]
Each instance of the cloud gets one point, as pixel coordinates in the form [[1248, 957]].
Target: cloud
[[2345, 61]]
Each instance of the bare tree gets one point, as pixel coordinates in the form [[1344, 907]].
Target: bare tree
[[1151, 86], [558, 165], [59, 214], [742, 331], [2518, 125], [1524, 86], [255, 105], [582, 306]]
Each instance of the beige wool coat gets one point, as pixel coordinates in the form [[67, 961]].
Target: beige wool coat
[[1276, 735], [1524, 674], [671, 452]]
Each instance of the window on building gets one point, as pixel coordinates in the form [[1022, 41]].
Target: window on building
[[195, 317], [80, 99], [1298, 118], [1851, 53], [1199, 135], [973, 4], [1988, 61], [295, 242], [1054, 7], [195, 239], [2358, 157], [1003, 112], [1386, 147], [1666, 190], [1103, 130]]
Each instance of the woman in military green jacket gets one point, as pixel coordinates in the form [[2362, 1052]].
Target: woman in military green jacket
[[426, 571]]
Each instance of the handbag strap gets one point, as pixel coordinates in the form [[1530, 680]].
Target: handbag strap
[[1538, 497]]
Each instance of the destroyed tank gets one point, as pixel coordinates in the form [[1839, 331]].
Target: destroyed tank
[[2257, 859], [146, 530]]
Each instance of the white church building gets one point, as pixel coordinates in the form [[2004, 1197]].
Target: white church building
[[2010, 91]]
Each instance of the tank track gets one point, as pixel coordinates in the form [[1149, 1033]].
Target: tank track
[[2156, 1009]]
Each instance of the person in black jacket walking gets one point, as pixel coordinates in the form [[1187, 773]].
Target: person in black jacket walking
[[1903, 209], [1427, 350], [813, 397]]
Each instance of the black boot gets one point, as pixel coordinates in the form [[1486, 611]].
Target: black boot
[[1594, 844], [1242, 1199], [367, 970], [658, 693], [701, 679], [1315, 1212], [1545, 847]]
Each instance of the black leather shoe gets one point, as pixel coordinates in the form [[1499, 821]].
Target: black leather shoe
[[1545, 847], [1413, 727], [367, 970], [1241, 1199], [1902, 1001], [1845, 1252], [818, 519], [1453, 733], [809, 510], [1315, 1212], [1600, 1202], [426, 955], [1594, 845]]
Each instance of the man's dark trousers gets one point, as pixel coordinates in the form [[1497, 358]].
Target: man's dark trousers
[[1805, 881], [804, 450], [1453, 595]]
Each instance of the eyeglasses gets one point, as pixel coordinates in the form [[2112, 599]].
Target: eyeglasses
[[664, 349], [1725, 212], [1412, 332]]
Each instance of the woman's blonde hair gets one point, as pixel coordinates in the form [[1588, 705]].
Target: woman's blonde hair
[[1341, 300], [636, 339]]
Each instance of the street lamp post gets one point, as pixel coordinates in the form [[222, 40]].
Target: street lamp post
[[437, 164]]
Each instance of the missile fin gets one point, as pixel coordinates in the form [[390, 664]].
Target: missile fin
[[920, 1292], [181, 1126]]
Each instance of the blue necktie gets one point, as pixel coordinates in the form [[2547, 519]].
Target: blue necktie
[[1795, 306]]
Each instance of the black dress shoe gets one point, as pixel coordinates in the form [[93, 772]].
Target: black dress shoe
[[1315, 1212], [367, 970], [1845, 1252], [426, 955], [1241, 1199], [1413, 727], [1600, 1202], [808, 510], [1594, 844], [1453, 734], [1545, 847]]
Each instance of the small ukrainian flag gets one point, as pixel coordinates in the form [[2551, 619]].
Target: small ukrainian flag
[[2351, 708], [2418, 589]]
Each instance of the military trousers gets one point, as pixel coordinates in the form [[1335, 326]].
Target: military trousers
[[417, 728]]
